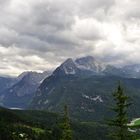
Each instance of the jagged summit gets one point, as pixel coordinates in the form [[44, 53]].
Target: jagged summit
[[90, 63], [69, 66], [80, 65], [66, 68]]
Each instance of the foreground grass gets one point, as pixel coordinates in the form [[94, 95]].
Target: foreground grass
[[135, 123]]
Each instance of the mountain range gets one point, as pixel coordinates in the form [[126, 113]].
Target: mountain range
[[84, 84], [90, 66]]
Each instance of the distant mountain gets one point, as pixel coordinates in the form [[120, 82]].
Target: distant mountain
[[5, 83], [90, 64], [20, 93], [129, 71], [86, 86], [132, 70], [114, 71]]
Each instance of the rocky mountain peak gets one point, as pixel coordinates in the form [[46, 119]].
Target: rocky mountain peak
[[90, 63], [67, 68], [80, 65]]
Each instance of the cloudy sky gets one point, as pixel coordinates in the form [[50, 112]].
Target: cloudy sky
[[40, 34]]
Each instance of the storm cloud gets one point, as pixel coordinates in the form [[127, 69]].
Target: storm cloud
[[39, 35]]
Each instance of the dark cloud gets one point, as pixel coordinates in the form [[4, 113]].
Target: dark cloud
[[89, 7], [39, 35]]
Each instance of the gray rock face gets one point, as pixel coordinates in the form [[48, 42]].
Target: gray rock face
[[90, 66], [20, 93]]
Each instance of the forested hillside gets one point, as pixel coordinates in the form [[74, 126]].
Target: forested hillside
[[42, 125]]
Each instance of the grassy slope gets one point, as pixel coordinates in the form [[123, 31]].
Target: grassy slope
[[134, 127], [137, 122]]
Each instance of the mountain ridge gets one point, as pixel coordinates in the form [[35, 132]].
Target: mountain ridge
[[28, 85], [20, 93], [87, 91], [90, 66]]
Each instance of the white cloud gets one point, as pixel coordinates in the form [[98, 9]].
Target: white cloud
[[88, 29], [39, 35]]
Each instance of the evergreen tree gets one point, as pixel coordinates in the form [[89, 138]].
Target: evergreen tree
[[120, 121], [66, 130]]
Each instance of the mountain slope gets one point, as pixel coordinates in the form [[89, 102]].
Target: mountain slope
[[6, 82], [20, 94], [88, 98]]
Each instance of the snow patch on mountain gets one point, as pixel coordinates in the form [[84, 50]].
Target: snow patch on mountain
[[97, 98], [46, 102], [69, 70]]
